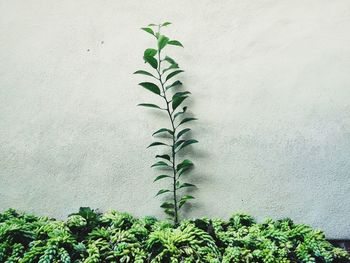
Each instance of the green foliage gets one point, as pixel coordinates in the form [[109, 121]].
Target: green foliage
[[166, 68], [92, 237], [186, 243]]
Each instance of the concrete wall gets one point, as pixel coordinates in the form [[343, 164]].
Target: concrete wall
[[270, 83]]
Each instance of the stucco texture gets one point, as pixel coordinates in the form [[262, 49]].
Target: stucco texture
[[270, 84]]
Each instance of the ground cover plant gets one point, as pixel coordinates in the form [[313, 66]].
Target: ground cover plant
[[89, 236]]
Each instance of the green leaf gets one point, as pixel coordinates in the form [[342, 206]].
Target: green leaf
[[156, 144], [183, 185], [162, 177], [163, 130], [182, 132], [151, 87], [167, 205], [184, 199], [183, 170], [187, 197], [170, 60], [172, 74], [148, 56], [148, 30], [150, 105], [172, 66], [163, 191], [186, 143], [177, 100], [166, 24], [164, 156], [152, 61], [178, 143], [169, 212], [184, 164], [143, 72], [152, 25], [180, 94], [186, 120], [176, 83], [184, 109], [175, 43], [161, 164], [150, 52], [162, 41]]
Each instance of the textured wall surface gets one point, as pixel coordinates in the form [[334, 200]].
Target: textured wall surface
[[271, 88]]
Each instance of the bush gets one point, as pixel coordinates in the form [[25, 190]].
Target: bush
[[89, 236]]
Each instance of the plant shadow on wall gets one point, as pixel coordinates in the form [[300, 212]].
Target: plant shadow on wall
[[175, 137]]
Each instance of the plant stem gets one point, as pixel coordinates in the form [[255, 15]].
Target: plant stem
[[173, 153]]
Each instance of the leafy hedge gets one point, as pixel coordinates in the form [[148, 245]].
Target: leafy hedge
[[89, 237]]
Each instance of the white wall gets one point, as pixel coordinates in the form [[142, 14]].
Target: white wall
[[270, 83]]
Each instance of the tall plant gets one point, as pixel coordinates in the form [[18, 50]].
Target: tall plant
[[165, 69]]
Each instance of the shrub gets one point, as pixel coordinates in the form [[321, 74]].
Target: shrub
[[89, 236]]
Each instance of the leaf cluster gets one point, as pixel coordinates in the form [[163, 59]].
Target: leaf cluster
[[89, 237]]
